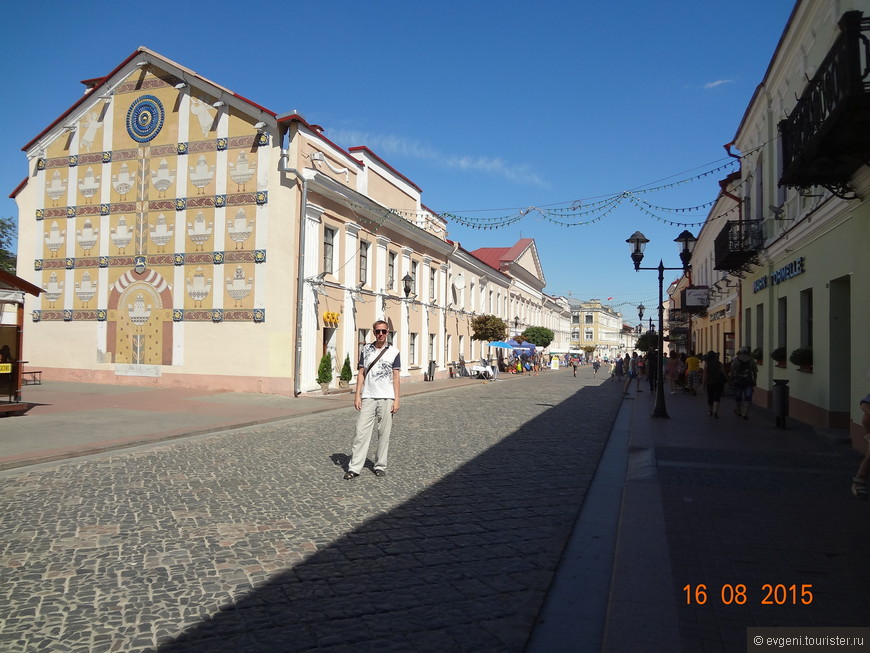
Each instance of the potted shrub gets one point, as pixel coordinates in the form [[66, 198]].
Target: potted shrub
[[346, 373], [779, 355], [758, 355], [324, 372], [803, 358]]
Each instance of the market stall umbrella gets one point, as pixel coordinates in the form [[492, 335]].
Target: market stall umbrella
[[498, 344]]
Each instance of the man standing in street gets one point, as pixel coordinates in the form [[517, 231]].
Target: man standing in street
[[376, 399]]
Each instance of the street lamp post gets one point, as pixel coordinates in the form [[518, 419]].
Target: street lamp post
[[638, 242]]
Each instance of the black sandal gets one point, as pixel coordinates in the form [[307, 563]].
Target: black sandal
[[350, 476]]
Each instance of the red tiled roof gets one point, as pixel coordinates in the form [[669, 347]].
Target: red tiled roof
[[495, 256]]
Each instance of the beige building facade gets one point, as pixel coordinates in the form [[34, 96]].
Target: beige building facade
[[184, 235]]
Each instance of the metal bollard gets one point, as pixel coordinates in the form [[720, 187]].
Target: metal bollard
[[780, 401]]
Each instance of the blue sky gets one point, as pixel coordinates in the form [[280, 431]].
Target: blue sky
[[492, 108]]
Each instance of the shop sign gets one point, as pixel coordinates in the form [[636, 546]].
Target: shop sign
[[5, 368], [785, 273]]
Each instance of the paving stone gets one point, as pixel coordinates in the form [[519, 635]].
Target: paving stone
[[247, 540]]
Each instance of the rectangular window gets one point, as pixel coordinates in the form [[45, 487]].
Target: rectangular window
[[391, 271], [462, 347], [431, 283], [782, 322], [589, 335], [413, 277], [747, 328], [575, 318], [412, 349], [589, 318], [807, 318], [759, 327], [363, 263], [431, 346], [361, 340], [328, 244]]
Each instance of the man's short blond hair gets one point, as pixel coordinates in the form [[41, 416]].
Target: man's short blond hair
[[377, 322]]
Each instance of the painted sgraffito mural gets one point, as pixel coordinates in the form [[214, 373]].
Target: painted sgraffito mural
[[150, 214]]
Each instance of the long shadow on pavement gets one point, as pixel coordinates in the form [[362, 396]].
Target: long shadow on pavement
[[463, 566]]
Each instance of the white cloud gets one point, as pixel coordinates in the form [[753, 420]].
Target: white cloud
[[718, 82], [387, 145]]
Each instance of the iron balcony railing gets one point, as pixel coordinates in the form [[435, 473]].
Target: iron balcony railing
[[738, 244], [825, 138]]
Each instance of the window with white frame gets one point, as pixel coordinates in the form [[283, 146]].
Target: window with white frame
[[391, 270], [363, 263], [328, 249], [414, 277], [431, 346], [361, 340], [432, 283], [412, 349]]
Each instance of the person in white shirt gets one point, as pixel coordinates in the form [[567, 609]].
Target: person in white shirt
[[376, 399]]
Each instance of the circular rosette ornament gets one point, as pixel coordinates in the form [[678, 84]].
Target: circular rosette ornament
[[145, 118]]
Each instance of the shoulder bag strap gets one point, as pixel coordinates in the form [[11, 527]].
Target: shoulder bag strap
[[372, 364]]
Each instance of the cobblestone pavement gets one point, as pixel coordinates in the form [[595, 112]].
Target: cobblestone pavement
[[251, 540]]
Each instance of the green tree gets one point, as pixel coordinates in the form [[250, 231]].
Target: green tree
[[324, 372], [647, 342], [346, 371], [488, 328], [538, 336], [8, 234]]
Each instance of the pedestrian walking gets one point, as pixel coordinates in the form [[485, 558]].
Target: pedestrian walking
[[859, 482], [673, 362], [714, 381], [744, 372], [376, 399], [693, 373], [633, 375]]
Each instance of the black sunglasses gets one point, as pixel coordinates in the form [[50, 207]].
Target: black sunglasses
[[380, 331]]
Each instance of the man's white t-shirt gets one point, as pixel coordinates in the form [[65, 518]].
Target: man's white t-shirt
[[378, 382]]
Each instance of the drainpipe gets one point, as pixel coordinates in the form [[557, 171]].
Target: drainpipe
[[303, 176]]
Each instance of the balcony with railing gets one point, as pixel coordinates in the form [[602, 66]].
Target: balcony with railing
[[827, 136], [738, 244]]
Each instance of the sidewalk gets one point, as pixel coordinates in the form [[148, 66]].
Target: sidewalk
[[68, 420], [728, 503]]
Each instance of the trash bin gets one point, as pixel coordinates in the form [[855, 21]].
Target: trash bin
[[431, 375], [780, 401]]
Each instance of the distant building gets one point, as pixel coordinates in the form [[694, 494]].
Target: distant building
[[594, 324]]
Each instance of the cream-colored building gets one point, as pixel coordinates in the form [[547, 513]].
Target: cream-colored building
[[785, 248], [184, 235], [595, 324]]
